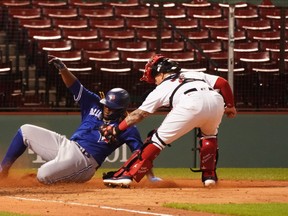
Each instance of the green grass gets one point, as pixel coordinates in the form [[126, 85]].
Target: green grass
[[256, 209], [12, 214], [277, 174]]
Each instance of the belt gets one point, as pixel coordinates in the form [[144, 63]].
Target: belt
[[195, 89], [84, 152]]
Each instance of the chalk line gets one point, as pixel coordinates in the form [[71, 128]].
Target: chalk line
[[90, 205]]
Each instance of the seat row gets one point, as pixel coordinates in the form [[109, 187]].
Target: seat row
[[203, 8], [256, 88], [89, 17], [121, 55], [137, 14], [116, 23], [146, 28], [73, 40], [264, 39]]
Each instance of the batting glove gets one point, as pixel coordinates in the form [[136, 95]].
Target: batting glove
[[57, 63]]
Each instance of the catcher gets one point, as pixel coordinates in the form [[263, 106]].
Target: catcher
[[195, 103], [76, 159]]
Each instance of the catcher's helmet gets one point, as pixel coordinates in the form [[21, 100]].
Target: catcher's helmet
[[159, 64], [116, 98]]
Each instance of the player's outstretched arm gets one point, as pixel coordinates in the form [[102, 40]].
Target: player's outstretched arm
[[111, 132], [67, 77]]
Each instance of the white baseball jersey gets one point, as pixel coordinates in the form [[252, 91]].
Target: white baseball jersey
[[195, 105]]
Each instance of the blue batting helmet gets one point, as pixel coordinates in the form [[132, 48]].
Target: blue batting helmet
[[116, 98]]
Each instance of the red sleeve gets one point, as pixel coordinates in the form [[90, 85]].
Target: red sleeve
[[123, 125], [225, 91]]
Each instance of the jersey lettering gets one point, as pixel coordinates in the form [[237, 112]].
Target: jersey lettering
[[95, 112], [120, 154]]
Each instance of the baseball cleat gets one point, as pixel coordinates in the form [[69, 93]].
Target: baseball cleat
[[209, 179], [125, 186], [111, 185], [122, 181], [209, 183]]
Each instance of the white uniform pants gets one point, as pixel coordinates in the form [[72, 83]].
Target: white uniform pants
[[199, 109], [65, 161]]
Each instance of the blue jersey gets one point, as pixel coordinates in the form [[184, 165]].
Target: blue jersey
[[88, 136]]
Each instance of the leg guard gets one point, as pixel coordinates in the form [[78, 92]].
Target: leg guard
[[139, 163], [208, 157], [145, 161], [208, 154], [126, 166]]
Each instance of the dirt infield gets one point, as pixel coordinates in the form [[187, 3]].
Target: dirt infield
[[23, 194]]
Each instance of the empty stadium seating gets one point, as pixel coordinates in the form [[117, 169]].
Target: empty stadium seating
[[124, 34]]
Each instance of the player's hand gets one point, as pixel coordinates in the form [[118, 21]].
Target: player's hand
[[154, 179], [109, 132], [56, 62], [230, 112], [151, 177]]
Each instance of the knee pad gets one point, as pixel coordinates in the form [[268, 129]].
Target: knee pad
[[42, 177], [208, 153], [156, 140]]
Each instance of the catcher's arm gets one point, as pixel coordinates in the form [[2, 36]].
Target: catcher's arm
[[226, 92], [111, 132]]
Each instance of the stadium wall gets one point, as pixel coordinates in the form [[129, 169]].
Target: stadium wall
[[250, 140]]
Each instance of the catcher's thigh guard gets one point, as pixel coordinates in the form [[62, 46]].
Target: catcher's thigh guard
[[208, 154]]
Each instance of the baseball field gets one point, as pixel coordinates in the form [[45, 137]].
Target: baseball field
[[241, 191]]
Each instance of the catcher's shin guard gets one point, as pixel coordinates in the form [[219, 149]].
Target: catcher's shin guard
[[126, 166], [139, 163], [208, 156]]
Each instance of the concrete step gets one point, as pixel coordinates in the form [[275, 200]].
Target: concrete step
[[31, 84], [42, 83], [2, 37], [22, 61], [11, 49], [31, 72]]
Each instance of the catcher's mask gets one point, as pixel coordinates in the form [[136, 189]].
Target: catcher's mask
[[117, 100], [159, 64]]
